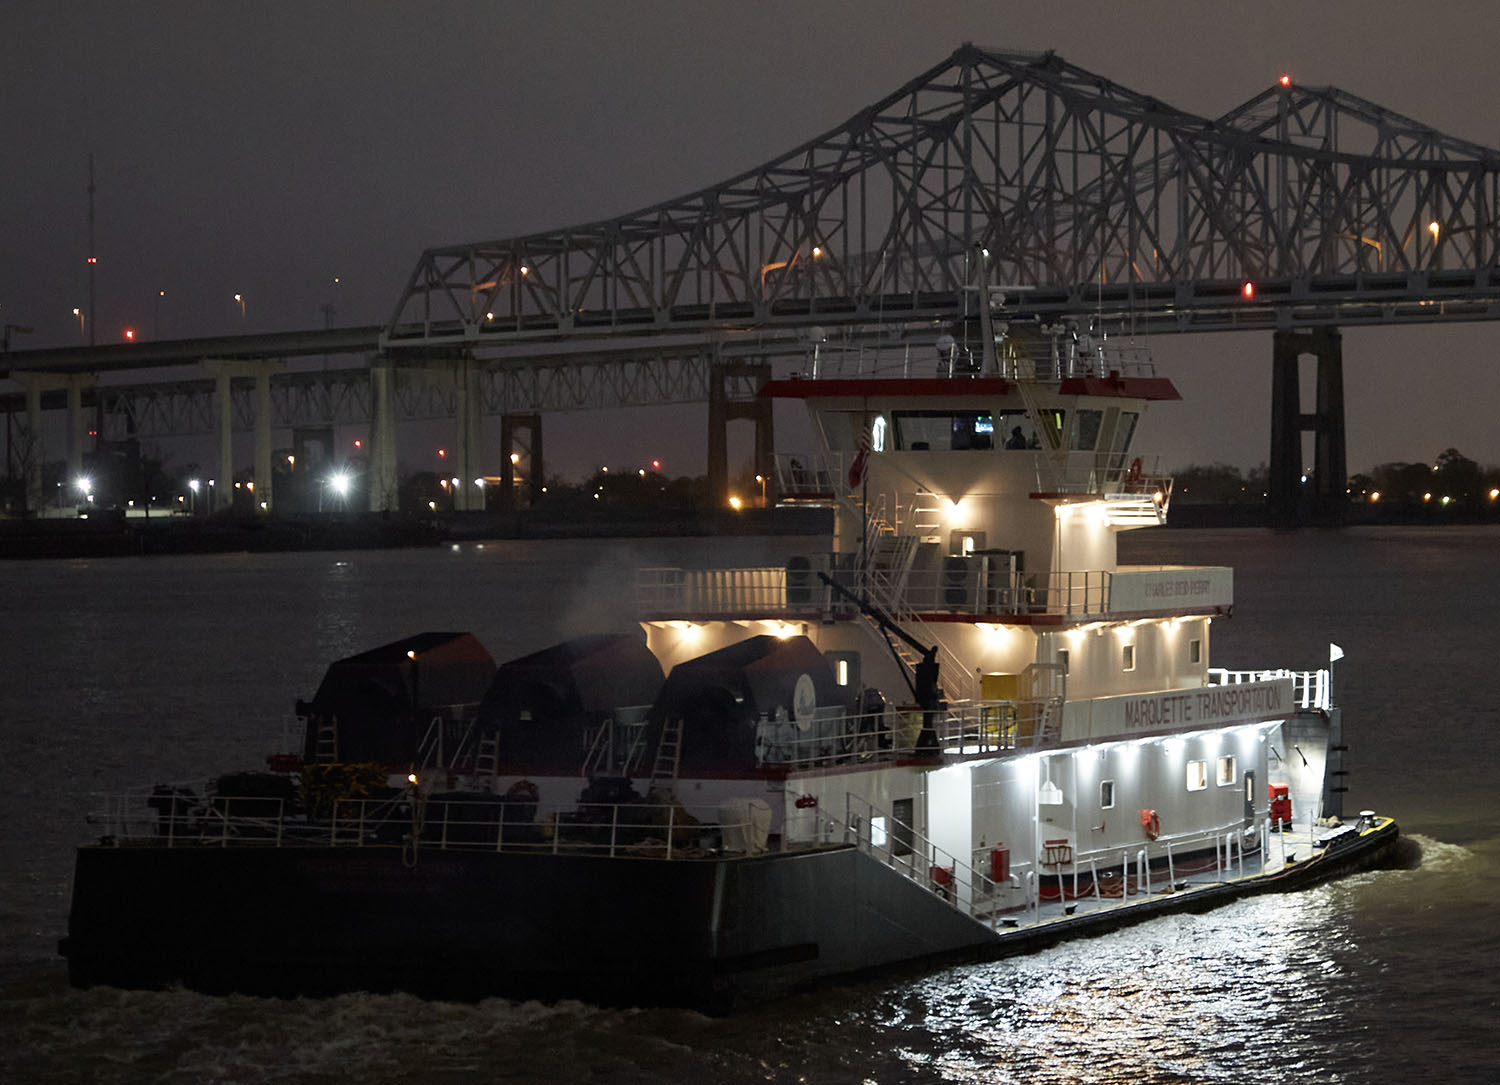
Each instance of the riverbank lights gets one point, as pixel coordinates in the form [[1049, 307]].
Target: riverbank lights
[[735, 503], [340, 483], [1433, 228]]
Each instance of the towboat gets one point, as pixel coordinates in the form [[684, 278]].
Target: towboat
[[960, 730]]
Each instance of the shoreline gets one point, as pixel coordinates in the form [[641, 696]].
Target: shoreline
[[33, 539]]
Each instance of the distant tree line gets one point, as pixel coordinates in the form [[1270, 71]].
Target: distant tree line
[[1451, 480]]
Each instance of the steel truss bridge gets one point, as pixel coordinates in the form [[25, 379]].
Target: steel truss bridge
[[1304, 210]]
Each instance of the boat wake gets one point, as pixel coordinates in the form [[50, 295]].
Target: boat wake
[[1415, 851]]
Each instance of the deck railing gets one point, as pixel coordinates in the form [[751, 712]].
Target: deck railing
[[1310, 689], [978, 588]]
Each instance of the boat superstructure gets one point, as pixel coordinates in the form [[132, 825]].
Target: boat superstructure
[[961, 727]]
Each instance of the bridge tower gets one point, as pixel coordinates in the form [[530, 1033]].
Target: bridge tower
[[1328, 502], [510, 445], [722, 410]]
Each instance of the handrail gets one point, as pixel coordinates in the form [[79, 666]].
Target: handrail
[[1310, 689]]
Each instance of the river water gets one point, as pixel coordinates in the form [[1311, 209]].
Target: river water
[[130, 671]]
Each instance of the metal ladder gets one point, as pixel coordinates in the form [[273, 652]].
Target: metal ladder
[[487, 755], [668, 755], [327, 747]]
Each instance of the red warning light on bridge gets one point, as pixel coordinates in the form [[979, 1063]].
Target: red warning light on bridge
[[656, 465], [1248, 291], [130, 335], [1286, 80]]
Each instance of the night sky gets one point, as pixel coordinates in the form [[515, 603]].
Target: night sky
[[269, 149]]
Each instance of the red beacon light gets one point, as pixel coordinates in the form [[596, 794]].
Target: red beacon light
[[130, 335], [1248, 290], [1286, 80]]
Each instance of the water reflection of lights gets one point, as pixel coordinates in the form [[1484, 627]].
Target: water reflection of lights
[[1181, 998]]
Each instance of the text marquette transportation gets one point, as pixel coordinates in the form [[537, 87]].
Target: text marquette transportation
[[964, 729]]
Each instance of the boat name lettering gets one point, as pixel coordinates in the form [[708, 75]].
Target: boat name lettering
[[1204, 706], [1184, 586]]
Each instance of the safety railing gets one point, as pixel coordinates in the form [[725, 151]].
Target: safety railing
[[1310, 689], [1045, 360], [972, 728], [410, 820], [973, 586]]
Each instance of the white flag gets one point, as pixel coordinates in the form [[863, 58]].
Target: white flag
[[1335, 653]]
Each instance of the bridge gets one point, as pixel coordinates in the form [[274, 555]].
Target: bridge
[[1302, 211]]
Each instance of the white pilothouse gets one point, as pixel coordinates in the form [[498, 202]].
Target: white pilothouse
[[1077, 734]]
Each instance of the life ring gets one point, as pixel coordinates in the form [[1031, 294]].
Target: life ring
[[1134, 474], [1151, 824]]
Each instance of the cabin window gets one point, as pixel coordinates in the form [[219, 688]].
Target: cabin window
[[877, 832], [1086, 426], [1226, 771], [901, 827], [1195, 650], [1128, 660], [1106, 794], [1062, 659], [877, 434], [1197, 775], [1124, 431], [841, 672]]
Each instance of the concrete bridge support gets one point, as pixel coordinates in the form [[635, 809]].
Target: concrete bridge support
[[468, 403], [77, 427], [224, 371], [509, 469], [722, 410], [383, 480], [1289, 500]]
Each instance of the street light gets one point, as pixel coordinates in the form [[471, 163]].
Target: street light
[[79, 314], [241, 299]]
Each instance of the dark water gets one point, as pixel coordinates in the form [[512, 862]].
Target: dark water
[[127, 671]]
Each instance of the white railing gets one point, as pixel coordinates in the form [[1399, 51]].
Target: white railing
[[413, 821], [1310, 689], [712, 592], [1052, 359], [978, 588], [971, 728]]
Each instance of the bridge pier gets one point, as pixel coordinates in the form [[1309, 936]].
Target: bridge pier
[[468, 405], [509, 424], [224, 371], [1328, 502], [77, 428], [383, 478], [722, 410]]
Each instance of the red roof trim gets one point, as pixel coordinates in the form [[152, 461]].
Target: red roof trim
[[906, 387], [1149, 388], [1158, 388]]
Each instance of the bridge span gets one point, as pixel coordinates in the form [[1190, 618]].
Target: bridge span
[[1300, 212]]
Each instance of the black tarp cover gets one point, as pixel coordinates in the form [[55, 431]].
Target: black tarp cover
[[543, 703], [385, 698], [720, 697]]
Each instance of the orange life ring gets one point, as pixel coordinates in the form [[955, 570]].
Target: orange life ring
[[1134, 474], [1151, 824]]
